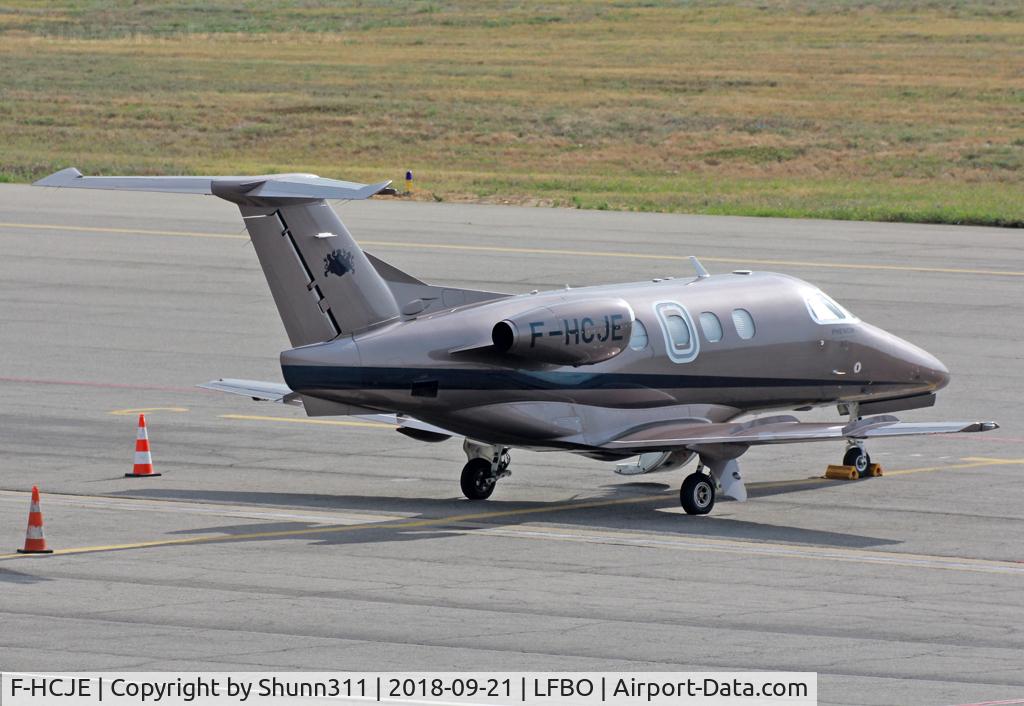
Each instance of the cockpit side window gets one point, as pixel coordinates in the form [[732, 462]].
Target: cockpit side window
[[825, 310], [681, 342]]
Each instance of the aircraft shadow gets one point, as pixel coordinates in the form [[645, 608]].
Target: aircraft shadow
[[9, 576], [622, 507]]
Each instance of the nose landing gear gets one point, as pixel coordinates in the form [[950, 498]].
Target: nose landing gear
[[856, 455], [859, 458], [486, 466]]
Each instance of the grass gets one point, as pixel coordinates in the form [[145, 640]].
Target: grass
[[840, 109]]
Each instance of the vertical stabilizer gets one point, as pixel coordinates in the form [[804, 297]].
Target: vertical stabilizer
[[322, 282]]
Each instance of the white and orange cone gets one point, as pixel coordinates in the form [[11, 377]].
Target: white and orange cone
[[35, 542], [143, 459]]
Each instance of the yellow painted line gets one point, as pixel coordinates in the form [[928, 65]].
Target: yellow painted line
[[686, 258], [973, 462], [431, 522], [337, 529], [122, 504], [125, 412], [553, 251], [995, 461], [121, 231], [301, 420]]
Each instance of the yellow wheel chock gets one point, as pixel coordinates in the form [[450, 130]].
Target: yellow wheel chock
[[850, 473]]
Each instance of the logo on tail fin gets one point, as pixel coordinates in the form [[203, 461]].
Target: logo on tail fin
[[338, 263]]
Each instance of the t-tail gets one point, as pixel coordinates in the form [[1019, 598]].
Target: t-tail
[[323, 283]]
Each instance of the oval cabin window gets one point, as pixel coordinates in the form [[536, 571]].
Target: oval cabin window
[[711, 326], [744, 323], [638, 336]]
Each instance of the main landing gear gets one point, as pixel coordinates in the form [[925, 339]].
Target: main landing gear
[[697, 494], [486, 466], [714, 475]]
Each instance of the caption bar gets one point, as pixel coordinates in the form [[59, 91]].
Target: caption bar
[[454, 688]]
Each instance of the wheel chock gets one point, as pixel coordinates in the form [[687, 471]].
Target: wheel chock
[[841, 472], [874, 471]]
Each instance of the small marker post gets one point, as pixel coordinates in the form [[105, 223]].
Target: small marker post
[[408, 181]]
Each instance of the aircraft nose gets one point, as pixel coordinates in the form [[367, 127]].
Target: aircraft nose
[[927, 369]]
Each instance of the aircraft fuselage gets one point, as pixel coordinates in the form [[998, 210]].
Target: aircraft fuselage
[[713, 348]]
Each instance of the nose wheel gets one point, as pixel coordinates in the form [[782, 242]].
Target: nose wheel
[[697, 495], [858, 458]]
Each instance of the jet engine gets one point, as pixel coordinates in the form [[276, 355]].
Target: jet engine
[[570, 333]]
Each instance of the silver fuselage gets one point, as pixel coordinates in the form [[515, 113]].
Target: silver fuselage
[[438, 367]]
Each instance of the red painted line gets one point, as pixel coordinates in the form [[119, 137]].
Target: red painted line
[[105, 385], [995, 703]]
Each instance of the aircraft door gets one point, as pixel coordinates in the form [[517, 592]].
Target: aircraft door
[[836, 366], [679, 333]]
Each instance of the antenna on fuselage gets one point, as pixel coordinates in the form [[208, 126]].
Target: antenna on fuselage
[[701, 272]]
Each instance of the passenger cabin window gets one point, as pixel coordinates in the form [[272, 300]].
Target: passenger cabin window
[[680, 338], [744, 323], [638, 336], [825, 310], [712, 327]]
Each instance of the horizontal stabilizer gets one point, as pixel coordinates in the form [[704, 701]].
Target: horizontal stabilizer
[[256, 389], [249, 189]]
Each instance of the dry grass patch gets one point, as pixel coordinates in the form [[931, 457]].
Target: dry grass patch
[[899, 111]]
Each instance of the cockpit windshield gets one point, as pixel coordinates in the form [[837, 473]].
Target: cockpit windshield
[[825, 310]]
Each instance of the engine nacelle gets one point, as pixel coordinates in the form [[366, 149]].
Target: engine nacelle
[[572, 333]]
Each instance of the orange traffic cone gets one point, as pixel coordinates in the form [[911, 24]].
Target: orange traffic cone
[[143, 461], [35, 542]]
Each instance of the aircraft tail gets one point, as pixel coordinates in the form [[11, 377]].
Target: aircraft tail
[[323, 284], [321, 280]]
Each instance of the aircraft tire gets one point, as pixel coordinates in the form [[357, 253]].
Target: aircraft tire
[[697, 494], [477, 479], [858, 458]]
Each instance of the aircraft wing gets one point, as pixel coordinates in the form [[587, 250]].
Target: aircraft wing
[[256, 389], [779, 430], [279, 392]]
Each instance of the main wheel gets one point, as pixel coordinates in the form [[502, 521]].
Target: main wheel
[[697, 496], [477, 479], [858, 458]]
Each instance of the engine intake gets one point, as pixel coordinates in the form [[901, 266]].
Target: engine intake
[[572, 333]]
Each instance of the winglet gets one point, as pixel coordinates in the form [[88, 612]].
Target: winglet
[[65, 177]]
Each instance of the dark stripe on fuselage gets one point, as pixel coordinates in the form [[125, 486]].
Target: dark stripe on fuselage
[[314, 377]]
